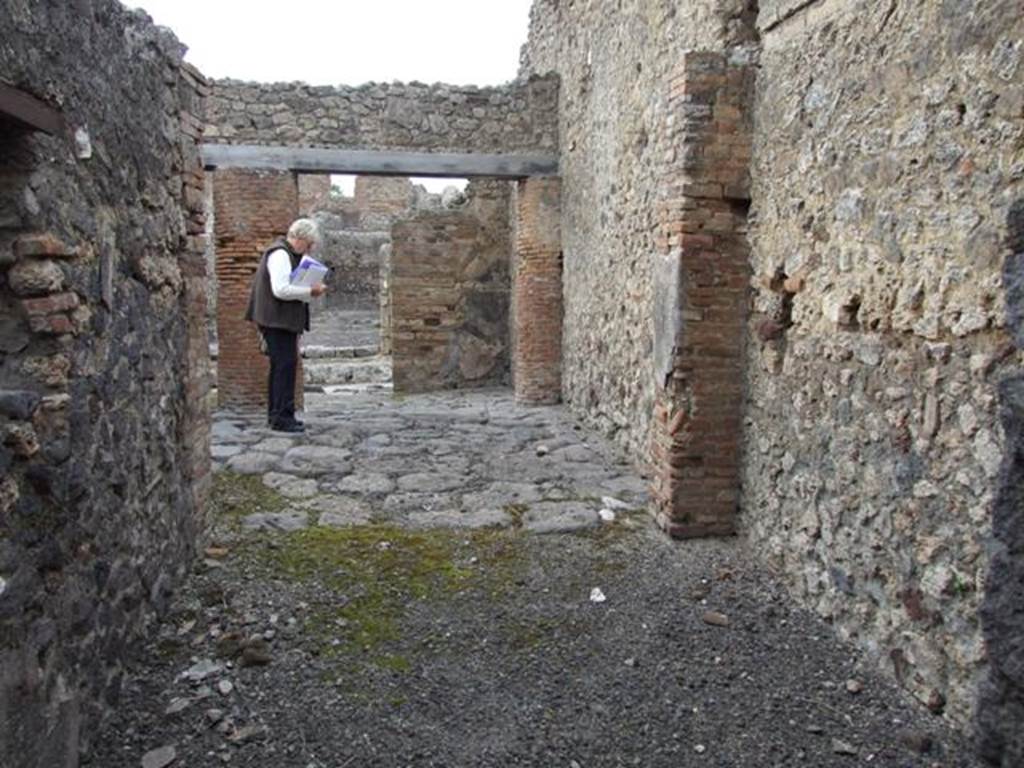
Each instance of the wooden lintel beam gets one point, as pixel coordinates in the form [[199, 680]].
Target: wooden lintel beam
[[30, 111], [378, 163]]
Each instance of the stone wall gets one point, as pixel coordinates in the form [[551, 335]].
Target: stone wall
[[354, 230], [519, 117], [104, 455], [614, 59], [449, 281], [886, 164], [887, 156]]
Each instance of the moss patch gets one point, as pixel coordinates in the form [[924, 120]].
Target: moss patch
[[368, 576], [234, 496]]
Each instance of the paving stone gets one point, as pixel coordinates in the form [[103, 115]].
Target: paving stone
[[313, 460], [252, 463], [430, 482], [449, 518], [339, 511], [418, 502], [225, 432], [365, 483], [292, 520], [274, 444], [560, 517], [224, 451], [497, 495], [342, 437], [290, 486]]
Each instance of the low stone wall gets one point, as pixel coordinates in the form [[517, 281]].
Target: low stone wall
[[518, 117], [449, 281], [885, 166], [104, 426]]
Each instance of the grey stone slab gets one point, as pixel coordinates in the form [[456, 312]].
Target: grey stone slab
[[291, 520], [252, 463], [274, 445], [314, 460], [577, 454], [336, 437], [418, 502], [290, 486], [560, 517], [522, 467], [498, 495], [430, 482], [225, 431], [450, 518], [224, 451], [338, 510], [365, 483]]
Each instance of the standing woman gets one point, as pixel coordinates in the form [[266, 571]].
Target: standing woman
[[281, 311]]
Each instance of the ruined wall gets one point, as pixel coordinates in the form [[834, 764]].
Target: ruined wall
[[888, 152], [104, 433], [354, 229], [614, 58], [516, 117], [449, 277], [314, 193]]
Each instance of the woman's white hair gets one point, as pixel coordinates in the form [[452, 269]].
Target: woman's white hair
[[305, 229]]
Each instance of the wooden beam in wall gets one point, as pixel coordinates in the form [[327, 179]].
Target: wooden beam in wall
[[374, 163], [29, 111]]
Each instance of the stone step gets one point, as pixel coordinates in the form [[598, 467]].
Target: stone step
[[333, 371], [318, 352]]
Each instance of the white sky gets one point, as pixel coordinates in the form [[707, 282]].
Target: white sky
[[350, 42]]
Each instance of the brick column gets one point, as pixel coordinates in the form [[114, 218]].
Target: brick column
[[537, 293], [251, 209], [700, 286]]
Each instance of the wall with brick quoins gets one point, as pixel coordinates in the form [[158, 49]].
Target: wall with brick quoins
[[886, 160], [518, 117], [104, 429]]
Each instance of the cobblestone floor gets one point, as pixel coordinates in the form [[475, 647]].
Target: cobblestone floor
[[454, 580]]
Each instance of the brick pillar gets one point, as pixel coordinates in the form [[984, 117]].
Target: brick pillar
[[537, 293], [700, 293], [251, 209]]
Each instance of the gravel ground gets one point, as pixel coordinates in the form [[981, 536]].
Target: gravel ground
[[378, 641], [517, 666]]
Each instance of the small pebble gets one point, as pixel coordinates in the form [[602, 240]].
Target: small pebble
[[225, 687], [841, 747], [716, 619], [854, 685]]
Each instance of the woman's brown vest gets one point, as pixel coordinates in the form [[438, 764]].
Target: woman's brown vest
[[268, 311]]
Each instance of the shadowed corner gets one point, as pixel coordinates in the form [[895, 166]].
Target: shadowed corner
[[1001, 699]]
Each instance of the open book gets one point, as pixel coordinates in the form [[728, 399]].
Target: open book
[[310, 272]]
